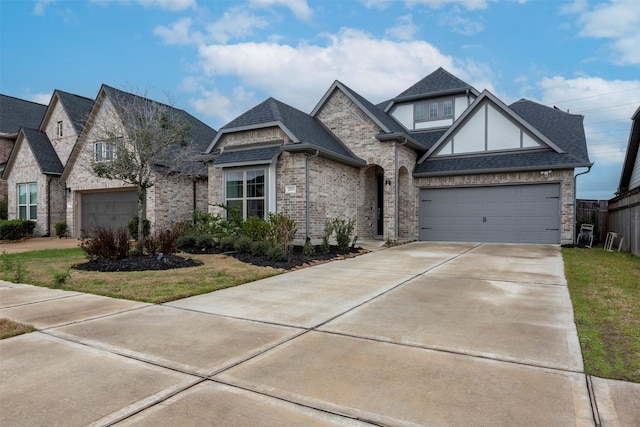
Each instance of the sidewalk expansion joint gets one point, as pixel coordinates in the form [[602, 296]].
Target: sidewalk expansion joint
[[101, 316]]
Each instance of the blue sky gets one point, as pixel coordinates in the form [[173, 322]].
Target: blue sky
[[218, 59]]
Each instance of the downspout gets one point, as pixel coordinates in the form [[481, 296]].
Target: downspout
[[48, 206], [575, 198], [307, 189], [397, 191]]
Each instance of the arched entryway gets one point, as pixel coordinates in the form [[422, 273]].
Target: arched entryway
[[373, 210]]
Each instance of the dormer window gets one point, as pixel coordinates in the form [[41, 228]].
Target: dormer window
[[59, 129], [437, 109]]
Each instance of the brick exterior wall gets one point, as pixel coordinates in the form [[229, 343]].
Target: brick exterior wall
[[564, 177], [51, 198], [168, 201], [62, 144]]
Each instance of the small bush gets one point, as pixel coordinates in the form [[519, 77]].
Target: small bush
[[13, 269], [283, 230], [4, 208], [187, 240], [106, 243], [328, 231], [205, 241], [260, 248], [243, 244], [276, 253], [308, 249], [226, 244], [255, 228], [61, 229], [16, 229], [133, 227], [343, 230], [161, 242]]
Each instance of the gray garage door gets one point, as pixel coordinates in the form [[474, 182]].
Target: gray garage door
[[110, 209], [507, 214]]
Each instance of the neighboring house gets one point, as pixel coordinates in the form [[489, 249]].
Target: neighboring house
[[441, 161], [14, 114], [37, 160], [96, 201], [624, 209]]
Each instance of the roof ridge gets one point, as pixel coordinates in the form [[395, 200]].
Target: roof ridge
[[23, 100]]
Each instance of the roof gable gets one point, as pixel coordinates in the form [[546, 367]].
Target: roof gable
[[77, 108], [16, 113], [475, 120], [41, 149], [301, 128], [437, 83]]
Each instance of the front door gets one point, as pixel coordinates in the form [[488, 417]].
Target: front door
[[380, 205]]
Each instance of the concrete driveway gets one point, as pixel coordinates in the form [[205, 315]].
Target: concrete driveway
[[421, 334]]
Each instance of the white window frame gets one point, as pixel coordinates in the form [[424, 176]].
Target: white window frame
[[245, 198], [29, 204], [103, 151], [447, 108]]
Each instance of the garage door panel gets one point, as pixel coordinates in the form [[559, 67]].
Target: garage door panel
[[516, 213]]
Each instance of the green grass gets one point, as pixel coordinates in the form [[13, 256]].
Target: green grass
[[49, 268], [605, 291]]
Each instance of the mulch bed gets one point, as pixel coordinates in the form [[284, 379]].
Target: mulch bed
[[296, 260], [138, 263]]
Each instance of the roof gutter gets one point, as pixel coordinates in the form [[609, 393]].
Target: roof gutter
[[575, 193], [399, 136], [493, 170], [309, 148]]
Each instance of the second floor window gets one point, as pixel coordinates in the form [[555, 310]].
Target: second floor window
[[433, 110], [59, 129], [103, 152]]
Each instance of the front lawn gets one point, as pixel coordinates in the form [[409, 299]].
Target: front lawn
[[605, 291], [52, 268]]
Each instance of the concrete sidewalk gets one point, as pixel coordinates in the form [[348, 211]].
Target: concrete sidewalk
[[420, 334]]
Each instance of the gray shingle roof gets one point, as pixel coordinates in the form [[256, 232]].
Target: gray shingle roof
[[440, 81], [305, 128], [427, 139], [247, 156], [16, 113], [43, 152], [201, 134], [633, 149], [564, 129], [387, 121], [77, 107]]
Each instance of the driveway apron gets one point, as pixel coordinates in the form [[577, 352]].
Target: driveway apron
[[421, 334]]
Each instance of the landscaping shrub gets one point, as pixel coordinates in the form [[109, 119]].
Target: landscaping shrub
[[260, 248], [161, 242], [16, 229], [308, 249], [226, 244], [186, 240], [205, 241], [216, 225], [326, 234], [133, 227], [343, 230], [4, 208], [255, 228], [61, 229], [276, 253], [106, 243], [282, 231], [243, 244]]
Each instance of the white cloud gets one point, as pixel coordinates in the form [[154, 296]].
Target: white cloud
[[300, 74], [40, 5], [461, 25], [467, 4], [607, 106], [236, 23], [212, 103], [299, 8], [179, 33], [404, 29], [617, 21], [173, 5], [40, 98]]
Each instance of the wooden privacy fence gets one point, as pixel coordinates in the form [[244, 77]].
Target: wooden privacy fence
[[593, 212], [624, 219]]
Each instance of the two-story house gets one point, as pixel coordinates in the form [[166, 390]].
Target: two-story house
[[441, 161]]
